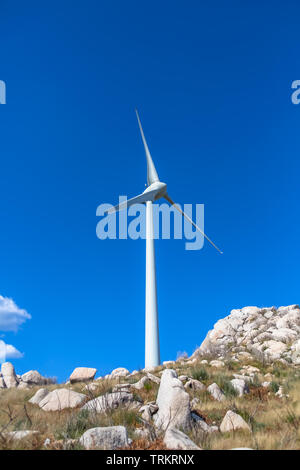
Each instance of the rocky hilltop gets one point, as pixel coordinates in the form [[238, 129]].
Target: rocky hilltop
[[240, 389], [267, 333]]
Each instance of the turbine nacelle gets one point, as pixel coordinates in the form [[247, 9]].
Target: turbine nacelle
[[156, 190]]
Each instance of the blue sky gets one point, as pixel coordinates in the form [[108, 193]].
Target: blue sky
[[212, 83]]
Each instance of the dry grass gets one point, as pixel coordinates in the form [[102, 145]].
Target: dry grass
[[275, 422]]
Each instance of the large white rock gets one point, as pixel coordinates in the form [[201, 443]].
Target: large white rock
[[109, 401], [9, 375], [107, 438], [39, 396], [233, 421], [216, 392], [82, 374], [60, 399], [173, 403], [33, 377], [177, 440]]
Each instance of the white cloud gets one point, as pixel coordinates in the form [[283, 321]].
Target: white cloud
[[8, 351], [11, 316]]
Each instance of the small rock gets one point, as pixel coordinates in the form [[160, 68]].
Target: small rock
[[265, 384], [280, 393], [153, 378], [141, 383], [216, 392], [47, 442], [233, 421], [177, 440], [203, 425], [119, 372], [240, 386], [194, 385]]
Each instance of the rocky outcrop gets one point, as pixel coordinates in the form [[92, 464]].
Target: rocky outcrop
[[272, 333], [9, 378]]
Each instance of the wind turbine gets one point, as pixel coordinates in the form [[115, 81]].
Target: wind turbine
[[155, 190]]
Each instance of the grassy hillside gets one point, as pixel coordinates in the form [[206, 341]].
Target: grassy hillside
[[274, 420]]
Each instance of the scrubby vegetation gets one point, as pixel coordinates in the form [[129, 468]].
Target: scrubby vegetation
[[274, 420]]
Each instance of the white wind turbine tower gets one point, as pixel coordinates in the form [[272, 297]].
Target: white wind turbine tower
[[155, 190]]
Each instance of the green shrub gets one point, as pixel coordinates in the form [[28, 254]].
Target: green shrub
[[226, 386], [274, 386], [199, 374]]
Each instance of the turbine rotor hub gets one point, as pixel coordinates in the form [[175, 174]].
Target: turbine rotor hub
[[159, 189]]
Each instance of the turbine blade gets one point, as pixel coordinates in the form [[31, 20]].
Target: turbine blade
[[152, 175], [167, 197], [140, 199]]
